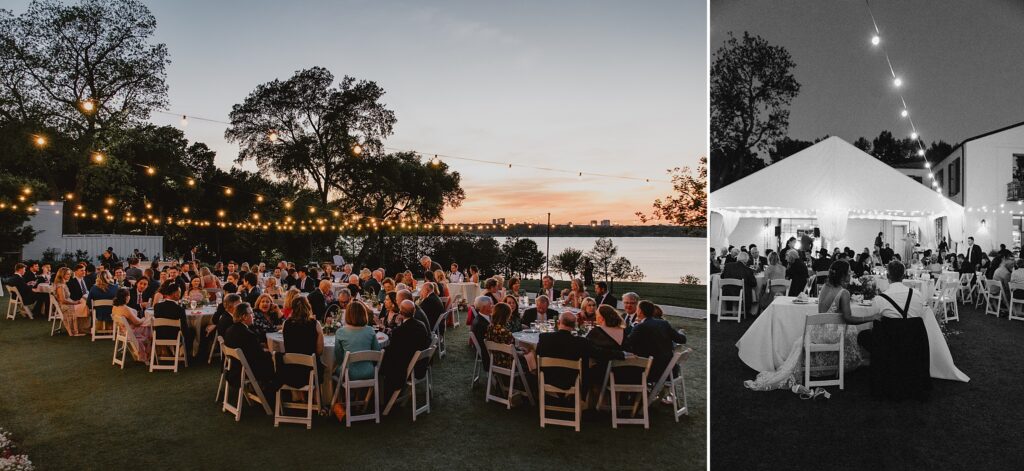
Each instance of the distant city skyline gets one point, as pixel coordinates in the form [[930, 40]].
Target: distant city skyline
[[603, 86]]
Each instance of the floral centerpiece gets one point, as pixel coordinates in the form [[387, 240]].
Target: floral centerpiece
[[10, 458], [331, 325], [864, 287]]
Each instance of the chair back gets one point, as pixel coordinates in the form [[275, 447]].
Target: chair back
[[730, 282], [643, 363], [417, 358], [374, 356], [299, 359], [162, 322]]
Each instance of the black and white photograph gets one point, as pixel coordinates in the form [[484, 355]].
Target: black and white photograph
[[866, 210]]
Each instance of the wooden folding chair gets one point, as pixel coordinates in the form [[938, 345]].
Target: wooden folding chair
[[546, 389], [946, 301], [994, 303], [95, 331], [724, 301], [819, 279], [411, 382], [176, 345], [675, 383], [216, 347], [312, 390], [224, 364], [249, 389], [639, 390], [372, 386], [811, 347], [515, 372]]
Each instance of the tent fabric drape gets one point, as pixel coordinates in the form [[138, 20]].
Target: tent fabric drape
[[926, 232], [730, 219], [833, 225]]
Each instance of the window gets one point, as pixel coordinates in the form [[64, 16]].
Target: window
[[1018, 167], [1016, 228], [939, 178], [954, 177], [917, 179]]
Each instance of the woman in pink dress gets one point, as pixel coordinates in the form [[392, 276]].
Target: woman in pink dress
[[138, 328]]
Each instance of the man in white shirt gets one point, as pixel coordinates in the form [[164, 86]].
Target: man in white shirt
[[456, 276], [898, 293]]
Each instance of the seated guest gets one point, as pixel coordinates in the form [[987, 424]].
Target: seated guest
[[120, 279], [320, 299], [478, 329], [739, 270], [515, 320], [77, 286], [408, 279], [387, 286], [266, 308], [442, 284], [389, 315], [564, 345], [272, 288], [540, 312], [406, 339], [403, 295], [1002, 275], [576, 294], [209, 280], [934, 265], [263, 322], [195, 291], [609, 333], [513, 287], [373, 285], [774, 270], [25, 283], [289, 298], [133, 272], [303, 282], [74, 313], [290, 278], [103, 289], [796, 272], [138, 328], [353, 285], [218, 270], [547, 288], [355, 336], [756, 261], [603, 296], [224, 316], [231, 286], [993, 265], [365, 275], [431, 305], [250, 291], [303, 335], [498, 332], [328, 273], [653, 338], [588, 312], [630, 305], [344, 297], [168, 308], [141, 297], [254, 347], [491, 289]]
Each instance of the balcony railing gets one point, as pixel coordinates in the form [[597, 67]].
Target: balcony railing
[[1015, 190]]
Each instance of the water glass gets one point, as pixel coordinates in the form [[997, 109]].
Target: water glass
[[193, 303]]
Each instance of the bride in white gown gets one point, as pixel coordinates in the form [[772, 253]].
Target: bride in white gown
[[834, 295]]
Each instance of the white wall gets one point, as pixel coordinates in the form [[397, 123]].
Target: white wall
[[50, 224], [988, 167], [49, 221]]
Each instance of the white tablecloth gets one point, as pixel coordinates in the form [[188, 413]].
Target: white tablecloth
[[468, 291], [765, 345], [197, 320], [715, 283], [276, 340]]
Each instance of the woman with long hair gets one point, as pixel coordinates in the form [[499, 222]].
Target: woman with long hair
[[515, 320], [289, 296], [138, 328], [73, 313], [577, 293], [302, 334], [195, 290]]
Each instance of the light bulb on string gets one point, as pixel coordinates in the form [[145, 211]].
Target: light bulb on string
[[40, 141], [875, 40], [150, 171], [259, 198], [435, 161], [927, 165], [190, 182], [228, 191], [98, 157], [184, 121], [913, 136], [357, 150], [904, 113], [898, 82], [88, 106], [272, 136]]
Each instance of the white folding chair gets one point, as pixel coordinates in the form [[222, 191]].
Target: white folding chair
[[512, 373], [546, 389], [725, 301], [819, 279], [411, 382], [442, 350], [17, 304], [176, 345], [675, 383], [96, 332], [371, 385], [478, 363], [993, 297], [945, 301], [639, 390], [55, 316], [811, 347], [216, 347], [965, 289], [248, 389], [1016, 315], [779, 286], [222, 382], [982, 287], [312, 390]]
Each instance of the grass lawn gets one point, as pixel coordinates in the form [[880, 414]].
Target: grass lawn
[[66, 405], [673, 294], [962, 426]]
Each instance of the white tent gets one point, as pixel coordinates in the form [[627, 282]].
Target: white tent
[[834, 182]]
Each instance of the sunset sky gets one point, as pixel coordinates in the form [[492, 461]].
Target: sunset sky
[[602, 86]]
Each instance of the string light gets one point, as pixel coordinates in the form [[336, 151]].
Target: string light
[[259, 198], [150, 171], [875, 40], [904, 113], [40, 141], [436, 161], [88, 106], [228, 191], [357, 150], [184, 121], [69, 196], [272, 135], [98, 157], [190, 182], [897, 82]]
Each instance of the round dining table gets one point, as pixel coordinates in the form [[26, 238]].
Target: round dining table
[[197, 319], [276, 344]]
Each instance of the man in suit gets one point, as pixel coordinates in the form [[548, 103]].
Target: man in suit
[[90, 276], [630, 301], [973, 252], [431, 304], [140, 297], [231, 285], [564, 345], [428, 265], [250, 290], [756, 259], [739, 270], [20, 280], [887, 254], [174, 277], [303, 282], [540, 312], [373, 285], [319, 299], [240, 335], [796, 272], [406, 339], [77, 286], [406, 295], [193, 255], [186, 274], [169, 308], [223, 317], [134, 272], [653, 338], [547, 288], [603, 296], [484, 307]]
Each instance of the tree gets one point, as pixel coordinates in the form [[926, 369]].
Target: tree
[[568, 261], [609, 265], [786, 147], [751, 87], [863, 144], [623, 269], [307, 129], [689, 205], [521, 257], [85, 71], [13, 232]]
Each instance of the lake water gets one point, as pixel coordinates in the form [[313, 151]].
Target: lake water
[[662, 259]]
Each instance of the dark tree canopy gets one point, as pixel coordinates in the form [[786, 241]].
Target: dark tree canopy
[[306, 128], [752, 85], [688, 206]]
